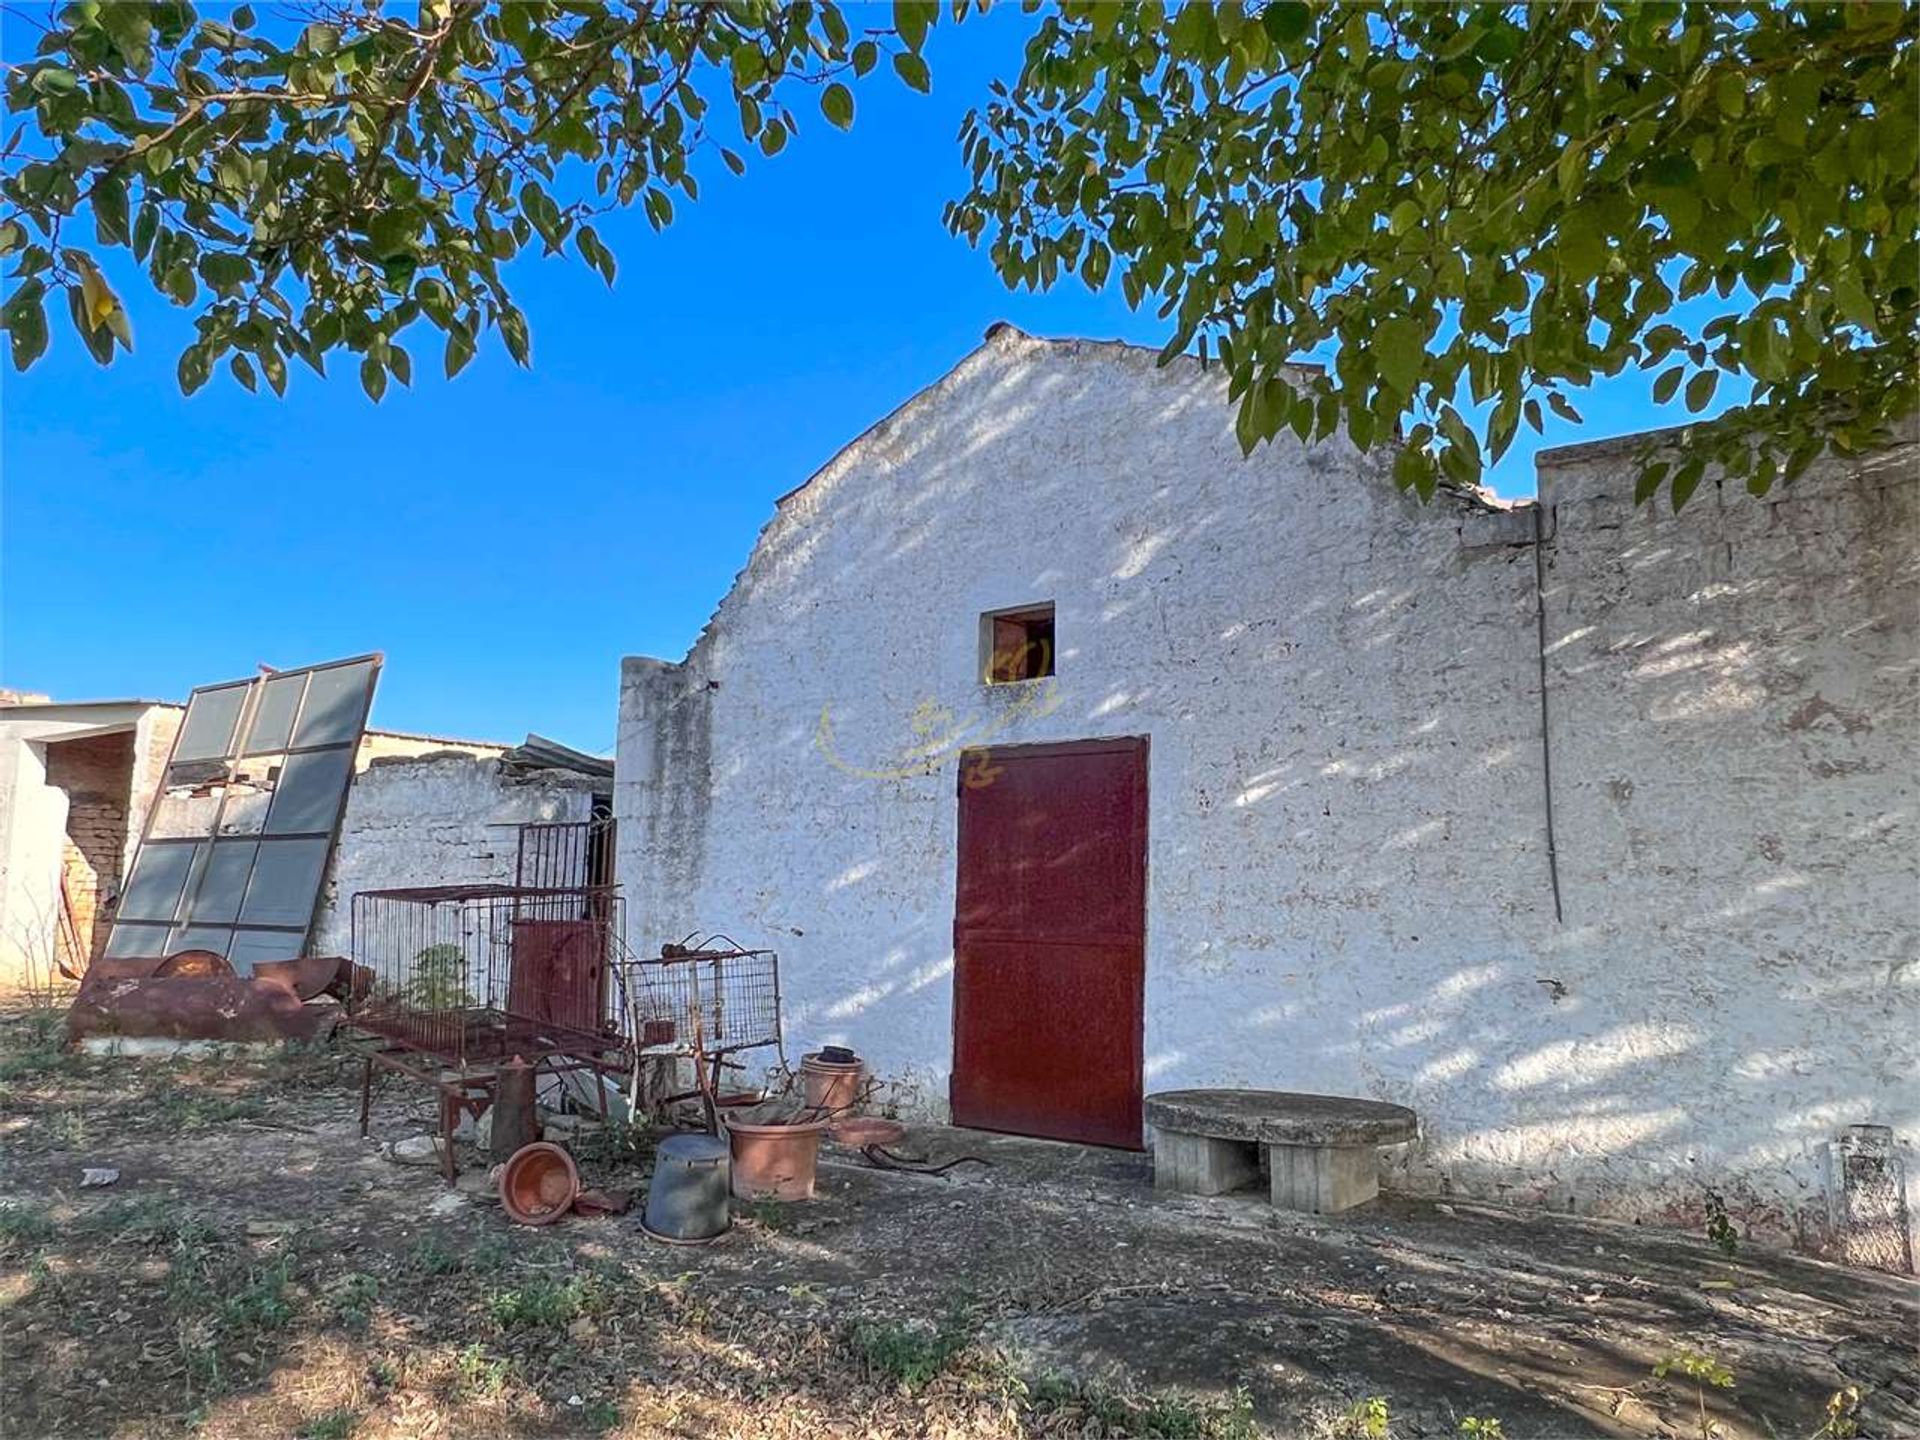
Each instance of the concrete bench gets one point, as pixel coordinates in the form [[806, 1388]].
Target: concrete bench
[[1322, 1151]]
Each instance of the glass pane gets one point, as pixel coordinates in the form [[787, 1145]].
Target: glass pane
[[207, 732], [253, 946], [308, 797], [199, 937], [336, 705], [286, 878], [159, 875], [223, 881], [129, 940], [273, 716]]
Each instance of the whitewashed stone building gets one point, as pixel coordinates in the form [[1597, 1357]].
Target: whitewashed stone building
[[1330, 698]]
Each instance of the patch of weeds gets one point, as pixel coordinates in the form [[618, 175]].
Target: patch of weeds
[[1367, 1419], [909, 1354], [481, 1374], [350, 1299], [24, 1228], [601, 1416], [41, 1060], [261, 1304], [202, 1361], [615, 1143], [334, 1425], [1720, 1229], [1483, 1427], [1175, 1415], [542, 1304], [152, 1220], [770, 1215], [1841, 1422], [1703, 1370], [430, 1257], [490, 1255], [198, 1112], [1158, 1414]]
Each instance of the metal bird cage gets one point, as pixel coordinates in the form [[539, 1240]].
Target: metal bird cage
[[705, 999], [476, 974]]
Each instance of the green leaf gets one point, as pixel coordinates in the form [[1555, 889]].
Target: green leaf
[[373, 378], [1664, 387], [1286, 20], [242, 370], [913, 70], [912, 18], [1406, 215], [1700, 390], [1399, 348], [836, 103]]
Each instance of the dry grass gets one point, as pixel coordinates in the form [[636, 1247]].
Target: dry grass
[[140, 1312]]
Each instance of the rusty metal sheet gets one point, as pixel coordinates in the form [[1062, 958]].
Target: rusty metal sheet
[[179, 998], [1050, 941]]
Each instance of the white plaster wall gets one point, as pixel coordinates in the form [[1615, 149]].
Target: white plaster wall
[[436, 821], [1348, 887], [33, 818]]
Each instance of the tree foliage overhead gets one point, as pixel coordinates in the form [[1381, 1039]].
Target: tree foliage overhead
[[1475, 208], [323, 178], [1482, 207]]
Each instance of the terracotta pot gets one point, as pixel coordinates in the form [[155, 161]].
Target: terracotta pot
[[859, 1131], [539, 1184], [831, 1085], [774, 1162]]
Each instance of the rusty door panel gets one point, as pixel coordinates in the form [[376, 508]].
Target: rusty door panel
[[558, 974], [1050, 940]]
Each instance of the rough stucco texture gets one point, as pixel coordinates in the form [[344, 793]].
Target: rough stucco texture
[[1348, 873], [436, 821]]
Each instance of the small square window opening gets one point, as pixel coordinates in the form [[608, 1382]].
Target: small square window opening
[[1018, 644]]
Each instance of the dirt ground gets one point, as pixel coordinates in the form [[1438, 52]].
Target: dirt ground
[[260, 1270]]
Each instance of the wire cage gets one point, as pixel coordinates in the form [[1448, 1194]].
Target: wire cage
[[706, 998], [476, 974]]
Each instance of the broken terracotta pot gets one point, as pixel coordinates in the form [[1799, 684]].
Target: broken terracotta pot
[[539, 1184], [859, 1131]]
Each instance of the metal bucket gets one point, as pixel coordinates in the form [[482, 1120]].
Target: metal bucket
[[687, 1202]]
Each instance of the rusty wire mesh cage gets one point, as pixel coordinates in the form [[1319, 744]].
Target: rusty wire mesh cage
[[706, 996], [475, 974]]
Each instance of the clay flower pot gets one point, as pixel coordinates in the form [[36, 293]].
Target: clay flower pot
[[859, 1131], [774, 1162], [831, 1085], [539, 1184]]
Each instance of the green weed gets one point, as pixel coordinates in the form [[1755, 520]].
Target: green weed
[[909, 1355], [480, 1373], [1367, 1419], [335, 1425], [542, 1304], [24, 1227]]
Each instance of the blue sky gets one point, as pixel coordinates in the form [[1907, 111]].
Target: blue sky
[[507, 536]]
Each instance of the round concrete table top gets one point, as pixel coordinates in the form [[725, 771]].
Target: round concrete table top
[[1279, 1117]]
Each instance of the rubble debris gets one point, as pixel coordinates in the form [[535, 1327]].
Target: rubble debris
[[415, 1150], [93, 1175]]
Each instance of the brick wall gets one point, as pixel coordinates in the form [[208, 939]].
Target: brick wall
[[96, 774]]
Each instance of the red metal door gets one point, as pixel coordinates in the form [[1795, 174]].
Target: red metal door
[[1049, 939]]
